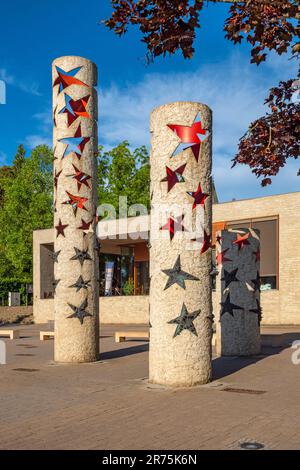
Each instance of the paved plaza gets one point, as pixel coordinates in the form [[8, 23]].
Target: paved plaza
[[110, 404]]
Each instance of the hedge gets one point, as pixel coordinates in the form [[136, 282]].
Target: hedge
[[13, 285]]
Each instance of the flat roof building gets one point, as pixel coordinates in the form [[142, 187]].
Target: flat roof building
[[275, 216]]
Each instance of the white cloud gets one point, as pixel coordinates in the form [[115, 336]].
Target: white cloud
[[235, 90], [34, 140], [28, 86]]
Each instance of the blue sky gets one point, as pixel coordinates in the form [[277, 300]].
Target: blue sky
[[34, 33]]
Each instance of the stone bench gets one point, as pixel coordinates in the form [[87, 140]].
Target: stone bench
[[13, 334], [121, 336], [45, 335]]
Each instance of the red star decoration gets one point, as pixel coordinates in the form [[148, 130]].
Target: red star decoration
[[75, 109], [221, 257], [56, 176], [174, 177], [60, 228], [242, 240], [257, 255], [206, 243], [199, 196], [65, 79], [80, 177], [174, 225], [76, 202], [85, 225], [189, 135]]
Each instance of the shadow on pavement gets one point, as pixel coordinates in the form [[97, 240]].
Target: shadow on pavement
[[124, 352]]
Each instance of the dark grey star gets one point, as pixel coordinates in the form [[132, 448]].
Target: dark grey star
[[54, 283], [256, 282], [258, 311], [54, 255], [81, 284], [185, 321], [177, 276], [81, 256], [229, 277], [228, 307], [79, 312]]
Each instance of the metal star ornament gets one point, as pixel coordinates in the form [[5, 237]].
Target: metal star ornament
[[206, 243], [193, 135], [54, 256], [199, 197], [60, 228], [185, 321], [55, 284], [56, 176], [174, 225], [177, 276], [81, 256], [67, 78], [229, 277], [80, 312], [174, 176], [76, 202], [81, 178], [85, 226], [241, 240], [75, 144], [81, 284], [75, 108], [228, 307]]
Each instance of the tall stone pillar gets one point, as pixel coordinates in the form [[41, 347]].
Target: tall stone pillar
[[76, 298], [180, 260], [238, 292]]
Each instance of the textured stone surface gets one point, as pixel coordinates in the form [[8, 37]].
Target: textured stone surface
[[184, 360], [75, 342], [238, 332]]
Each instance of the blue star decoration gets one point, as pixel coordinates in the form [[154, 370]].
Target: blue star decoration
[[66, 79], [79, 312], [185, 321], [75, 144], [177, 276]]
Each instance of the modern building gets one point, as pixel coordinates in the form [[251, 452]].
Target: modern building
[[275, 216]]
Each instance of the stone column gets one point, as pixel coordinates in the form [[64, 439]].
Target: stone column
[[238, 292], [180, 288], [76, 298]]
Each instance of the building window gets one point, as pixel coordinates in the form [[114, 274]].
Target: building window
[[268, 228]]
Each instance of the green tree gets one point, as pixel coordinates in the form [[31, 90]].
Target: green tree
[[19, 160], [123, 172], [27, 206]]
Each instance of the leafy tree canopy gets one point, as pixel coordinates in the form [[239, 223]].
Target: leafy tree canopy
[[123, 172], [267, 25], [26, 206]]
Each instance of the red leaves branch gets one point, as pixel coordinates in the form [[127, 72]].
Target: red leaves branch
[[167, 25], [266, 25], [274, 138]]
